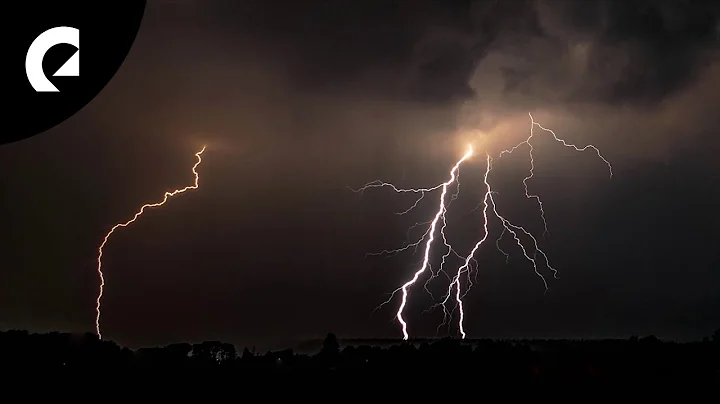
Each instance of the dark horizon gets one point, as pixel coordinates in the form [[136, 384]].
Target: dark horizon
[[312, 345], [336, 367]]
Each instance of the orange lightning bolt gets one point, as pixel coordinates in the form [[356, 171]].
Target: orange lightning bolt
[[139, 212]]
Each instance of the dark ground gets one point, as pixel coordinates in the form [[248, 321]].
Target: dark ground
[[448, 367]]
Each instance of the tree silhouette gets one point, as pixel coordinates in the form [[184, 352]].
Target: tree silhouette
[[649, 360], [330, 345], [213, 352], [226, 352], [180, 349]]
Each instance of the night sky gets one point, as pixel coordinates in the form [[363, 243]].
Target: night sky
[[297, 100]]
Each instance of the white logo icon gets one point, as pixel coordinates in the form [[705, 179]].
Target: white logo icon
[[38, 49]]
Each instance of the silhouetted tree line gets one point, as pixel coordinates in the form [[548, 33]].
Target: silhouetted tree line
[[630, 360]]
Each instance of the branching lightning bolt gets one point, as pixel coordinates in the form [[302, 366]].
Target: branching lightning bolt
[[166, 196], [532, 161], [430, 234], [524, 239]]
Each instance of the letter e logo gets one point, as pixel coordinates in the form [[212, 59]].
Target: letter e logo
[[38, 49]]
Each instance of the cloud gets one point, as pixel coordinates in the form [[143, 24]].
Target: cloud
[[425, 71], [643, 72]]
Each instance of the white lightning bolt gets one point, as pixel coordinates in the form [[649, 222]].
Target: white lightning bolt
[[439, 215], [525, 240]]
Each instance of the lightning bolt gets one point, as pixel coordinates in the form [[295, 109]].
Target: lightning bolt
[[525, 240], [430, 233], [527, 142], [509, 227], [166, 196], [466, 266]]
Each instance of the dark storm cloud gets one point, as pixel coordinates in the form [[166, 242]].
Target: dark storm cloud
[[631, 51], [638, 70], [611, 51], [559, 59], [419, 50], [606, 51]]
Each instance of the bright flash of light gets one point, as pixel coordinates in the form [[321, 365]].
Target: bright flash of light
[[525, 240], [439, 215], [125, 224]]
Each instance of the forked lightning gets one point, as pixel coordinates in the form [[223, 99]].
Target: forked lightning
[[525, 240]]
